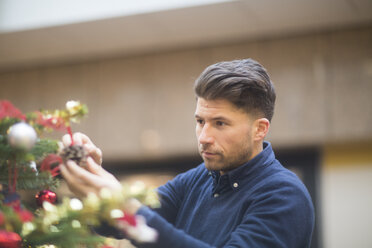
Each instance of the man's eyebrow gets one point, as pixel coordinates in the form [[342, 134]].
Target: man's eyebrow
[[217, 118], [220, 118]]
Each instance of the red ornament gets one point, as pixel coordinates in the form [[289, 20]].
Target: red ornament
[[45, 195], [10, 239]]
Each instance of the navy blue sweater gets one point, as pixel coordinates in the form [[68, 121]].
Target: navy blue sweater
[[259, 204]]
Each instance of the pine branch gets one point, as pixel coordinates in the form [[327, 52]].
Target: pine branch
[[29, 179], [43, 180], [6, 123], [5, 150], [44, 147]]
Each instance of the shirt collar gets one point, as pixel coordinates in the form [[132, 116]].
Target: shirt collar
[[238, 176]]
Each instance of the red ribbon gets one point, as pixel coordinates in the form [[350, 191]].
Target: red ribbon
[[49, 161], [70, 133], [130, 219], [54, 122], [12, 177], [8, 110]]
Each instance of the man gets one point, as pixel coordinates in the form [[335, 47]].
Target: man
[[241, 196]]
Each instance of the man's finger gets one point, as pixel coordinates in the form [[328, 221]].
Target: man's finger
[[81, 181], [94, 152], [66, 139], [72, 182], [83, 175], [78, 140], [93, 167], [92, 149], [85, 139], [75, 186], [97, 169], [82, 190]]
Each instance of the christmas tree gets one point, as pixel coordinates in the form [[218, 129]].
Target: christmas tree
[[28, 162]]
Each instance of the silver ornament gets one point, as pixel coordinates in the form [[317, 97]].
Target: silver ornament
[[22, 135]]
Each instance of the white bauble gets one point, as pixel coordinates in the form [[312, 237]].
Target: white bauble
[[22, 135]]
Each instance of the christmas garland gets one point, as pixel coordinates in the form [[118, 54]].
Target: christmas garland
[[27, 162]]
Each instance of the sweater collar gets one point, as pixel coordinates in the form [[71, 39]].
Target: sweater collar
[[238, 176]]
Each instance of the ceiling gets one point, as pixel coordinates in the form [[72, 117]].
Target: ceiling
[[178, 28]]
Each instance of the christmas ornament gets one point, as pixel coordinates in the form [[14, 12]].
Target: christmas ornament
[[22, 135], [10, 239], [75, 153], [45, 195]]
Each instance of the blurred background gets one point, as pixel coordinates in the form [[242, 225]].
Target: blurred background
[[134, 63]]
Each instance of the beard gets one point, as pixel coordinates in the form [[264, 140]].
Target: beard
[[223, 162]]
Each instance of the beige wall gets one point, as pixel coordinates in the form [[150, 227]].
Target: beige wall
[[346, 195], [143, 106]]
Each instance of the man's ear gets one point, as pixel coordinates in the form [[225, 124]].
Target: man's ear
[[261, 128]]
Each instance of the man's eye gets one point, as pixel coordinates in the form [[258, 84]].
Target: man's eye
[[220, 123], [200, 121]]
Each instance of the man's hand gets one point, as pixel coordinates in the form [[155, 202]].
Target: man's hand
[[83, 140], [91, 178]]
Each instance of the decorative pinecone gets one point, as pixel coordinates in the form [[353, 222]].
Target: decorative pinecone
[[75, 153]]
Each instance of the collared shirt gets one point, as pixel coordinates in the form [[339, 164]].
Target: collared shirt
[[259, 204]]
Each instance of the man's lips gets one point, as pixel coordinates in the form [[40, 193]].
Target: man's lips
[[209, 154]]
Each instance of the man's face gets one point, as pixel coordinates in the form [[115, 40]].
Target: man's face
[[224, 134]]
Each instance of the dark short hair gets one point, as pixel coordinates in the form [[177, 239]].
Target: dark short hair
[[245, 83]]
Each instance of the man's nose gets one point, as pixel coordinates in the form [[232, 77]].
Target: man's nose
[[206, 136]]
